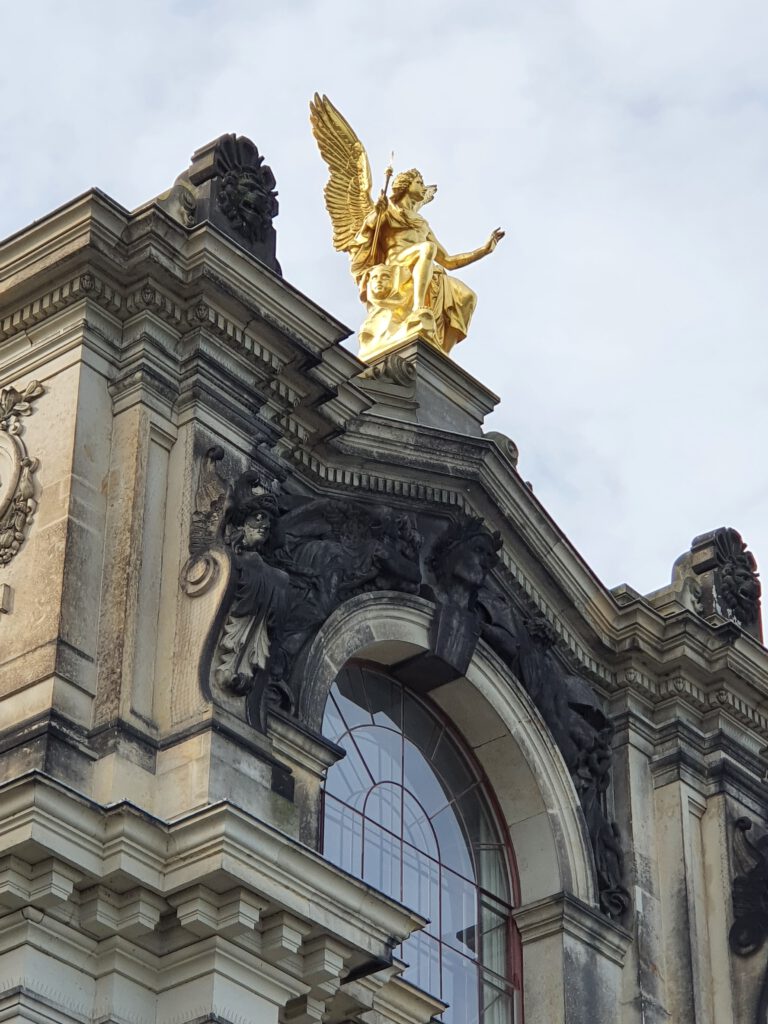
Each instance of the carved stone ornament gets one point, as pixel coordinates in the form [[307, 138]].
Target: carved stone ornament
[[723, 575], [201, 570], [750, 903], [17, 488], [582, 731], [229, 185], [247, 196], [736, 578], [393, 367], [460, 560], [294, 560]]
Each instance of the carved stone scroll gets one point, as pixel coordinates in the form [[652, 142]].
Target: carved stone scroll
[[17, 468]]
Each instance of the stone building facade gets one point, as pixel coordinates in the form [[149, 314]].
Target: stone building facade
[[238, 567]]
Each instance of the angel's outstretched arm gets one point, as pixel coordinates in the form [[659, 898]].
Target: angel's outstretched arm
[[463, 259]]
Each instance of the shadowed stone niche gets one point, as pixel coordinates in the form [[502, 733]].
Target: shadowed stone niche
[[229, 185]]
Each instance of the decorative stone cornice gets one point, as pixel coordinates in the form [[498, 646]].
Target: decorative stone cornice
[[204, 848], [564, 914], [214, 894]]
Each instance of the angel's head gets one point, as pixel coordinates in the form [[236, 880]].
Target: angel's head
[[411, 184]]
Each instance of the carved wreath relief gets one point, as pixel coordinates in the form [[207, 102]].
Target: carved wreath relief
[[17, 489]]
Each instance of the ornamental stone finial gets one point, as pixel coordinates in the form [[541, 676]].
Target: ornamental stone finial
[[229, 185], [724, 574]]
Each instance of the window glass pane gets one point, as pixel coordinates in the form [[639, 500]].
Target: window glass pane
[[407, 812], [383, 805], [452, 842], [477, 820], [382, 751], [343, 836], [419, 777], [349, 693], [417, 828], [452, 769], [385, 698], [493, 871], [421, 887], [461, 990], [333, 723], [382, 857], [494, 931], [422, 954], [459, 914], [497, 1004], [350, 780], [421, 727]]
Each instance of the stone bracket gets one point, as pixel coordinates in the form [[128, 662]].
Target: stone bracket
[[130, 914], [282, 936], [204, 912], [44, 885]]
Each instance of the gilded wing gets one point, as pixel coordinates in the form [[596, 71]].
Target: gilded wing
[[348, 190]]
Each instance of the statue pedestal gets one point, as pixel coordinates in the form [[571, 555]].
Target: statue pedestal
[[415, 383]]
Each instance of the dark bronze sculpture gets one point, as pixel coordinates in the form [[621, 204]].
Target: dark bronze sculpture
[[578, 724], [750, 904], [296, 558], [463, 555], [229, 185]]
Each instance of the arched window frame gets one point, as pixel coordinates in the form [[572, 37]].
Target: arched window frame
[[513, 972]]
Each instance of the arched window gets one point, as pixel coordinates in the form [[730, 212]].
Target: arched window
[[408, 811]]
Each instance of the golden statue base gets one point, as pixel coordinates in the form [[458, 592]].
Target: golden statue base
[[421, 324]]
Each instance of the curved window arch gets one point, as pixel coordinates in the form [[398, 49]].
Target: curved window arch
[[408, 811]]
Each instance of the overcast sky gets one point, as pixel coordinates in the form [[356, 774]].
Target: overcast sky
[[622, 145]]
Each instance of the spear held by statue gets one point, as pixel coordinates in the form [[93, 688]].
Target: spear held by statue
[[383, 195]]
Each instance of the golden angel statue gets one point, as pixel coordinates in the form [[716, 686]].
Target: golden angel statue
[[398, 265]]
